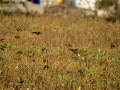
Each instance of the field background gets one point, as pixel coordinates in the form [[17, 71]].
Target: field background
[[53, 53]]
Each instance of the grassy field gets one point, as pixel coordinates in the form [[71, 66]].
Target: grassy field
[[53, 53]]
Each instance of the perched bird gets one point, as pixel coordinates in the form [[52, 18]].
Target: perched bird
[[37, 33], [74, 50]]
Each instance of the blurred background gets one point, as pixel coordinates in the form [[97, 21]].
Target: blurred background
[[108, 9]]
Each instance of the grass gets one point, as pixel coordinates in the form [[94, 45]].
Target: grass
[[51, 53]]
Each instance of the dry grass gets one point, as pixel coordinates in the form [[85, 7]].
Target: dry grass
[[51, 53]]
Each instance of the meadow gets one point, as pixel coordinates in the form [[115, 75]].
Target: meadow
[[53, 53]]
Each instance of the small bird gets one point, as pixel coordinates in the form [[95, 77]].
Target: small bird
[[37, 33], [46, 67], [20, 81], [17, 37], [1, 40], [2, 49], [18, 29], [44, 50], [74, 50], [112, 45], [45, 61], [19, 52]]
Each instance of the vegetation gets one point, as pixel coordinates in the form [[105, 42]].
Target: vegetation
[[51, 53]]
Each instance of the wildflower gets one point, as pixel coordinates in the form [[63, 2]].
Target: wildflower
[[79, 55], [33, 88], [83, 58], [16, 67], [80, 88], [99, 50]]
